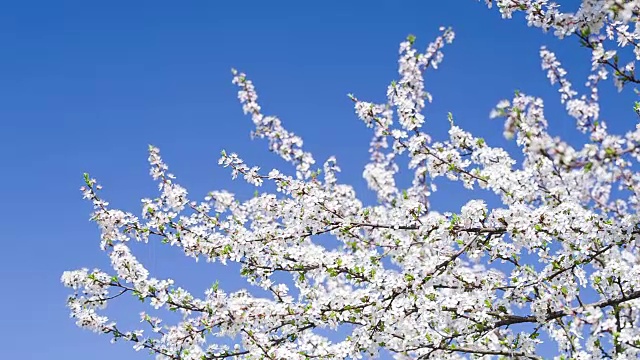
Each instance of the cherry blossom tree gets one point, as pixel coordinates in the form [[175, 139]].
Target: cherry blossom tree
[[557, 260]]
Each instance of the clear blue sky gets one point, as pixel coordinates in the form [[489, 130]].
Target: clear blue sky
[[86, 85]]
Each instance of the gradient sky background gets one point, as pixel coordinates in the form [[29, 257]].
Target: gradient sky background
[[86, 85]]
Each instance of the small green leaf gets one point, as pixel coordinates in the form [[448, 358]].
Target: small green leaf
[[609, 151], [588, 166]]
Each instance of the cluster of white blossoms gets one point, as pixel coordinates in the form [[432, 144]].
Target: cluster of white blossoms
[[554, 269]]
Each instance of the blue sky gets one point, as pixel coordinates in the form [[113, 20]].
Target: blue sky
[[86, 85]]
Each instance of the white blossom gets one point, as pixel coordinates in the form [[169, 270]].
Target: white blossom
[[558, 256]]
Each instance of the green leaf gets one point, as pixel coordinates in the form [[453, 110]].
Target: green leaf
[[227, 249], [588, 166], [609, 151]]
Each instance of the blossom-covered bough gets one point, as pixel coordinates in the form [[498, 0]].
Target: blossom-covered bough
[[558, 260]]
